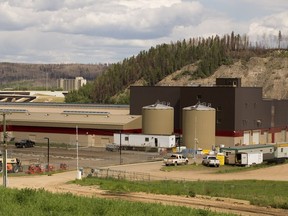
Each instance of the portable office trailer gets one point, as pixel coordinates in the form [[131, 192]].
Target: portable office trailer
[[145, 140], [248, 159], [266, 149], [281, 150], [231, 152]]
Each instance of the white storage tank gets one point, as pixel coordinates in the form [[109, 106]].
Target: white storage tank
[[198, 127], [158, 119]]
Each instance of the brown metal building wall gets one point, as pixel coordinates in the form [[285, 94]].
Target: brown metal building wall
[[237, 108], [222, 99], [144, 96]]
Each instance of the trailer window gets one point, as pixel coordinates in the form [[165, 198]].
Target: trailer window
[[281, 149], [146, 139], [126, 138]]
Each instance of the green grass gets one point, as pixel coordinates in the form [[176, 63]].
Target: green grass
[[39, 202], [262, 193]]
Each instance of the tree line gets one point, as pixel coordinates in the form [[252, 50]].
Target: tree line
[[160, 61]]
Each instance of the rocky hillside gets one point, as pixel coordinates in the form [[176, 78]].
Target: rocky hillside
[[271, 73]]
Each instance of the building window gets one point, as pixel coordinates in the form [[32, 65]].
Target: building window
[[126, 138], [281, 149], [244, 122], [258, 122], [146, 139]]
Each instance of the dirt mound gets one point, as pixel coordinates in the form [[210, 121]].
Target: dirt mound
[[270, 73]]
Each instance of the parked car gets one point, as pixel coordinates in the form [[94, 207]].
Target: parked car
[[175, 159], [112, 147], [25, 143], [211, 161]]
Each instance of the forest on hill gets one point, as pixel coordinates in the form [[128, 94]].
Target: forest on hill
[[20, 76], [150, 67]]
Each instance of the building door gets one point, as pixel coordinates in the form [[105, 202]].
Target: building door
[[156, 142], [266, 137], [246, 140], [256, 137], [283, 136], [104, 141]]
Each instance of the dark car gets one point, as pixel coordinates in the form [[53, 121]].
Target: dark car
[[25, 144]]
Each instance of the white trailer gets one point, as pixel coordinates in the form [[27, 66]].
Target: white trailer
[[281, 150], [248, 159], [144, 140]]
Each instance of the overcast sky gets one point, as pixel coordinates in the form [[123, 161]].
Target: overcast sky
[[107, 31]]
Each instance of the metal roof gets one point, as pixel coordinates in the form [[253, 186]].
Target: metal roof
[[199, 107], [236, 148], [158, 106], [68, 115]]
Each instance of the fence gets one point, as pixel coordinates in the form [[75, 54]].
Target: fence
[[117, 174]]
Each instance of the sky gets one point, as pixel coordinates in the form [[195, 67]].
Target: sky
[[107, 31]]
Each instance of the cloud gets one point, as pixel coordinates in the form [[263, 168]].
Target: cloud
[[270, 25], [116, 19], [266, 5], [127, 22], [109, 31]]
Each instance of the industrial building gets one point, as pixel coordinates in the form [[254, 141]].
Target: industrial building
[[71, 84], [204, 117], [94, 125], [242, 116]]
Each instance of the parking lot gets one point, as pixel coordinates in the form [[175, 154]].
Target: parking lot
[[87, 157]]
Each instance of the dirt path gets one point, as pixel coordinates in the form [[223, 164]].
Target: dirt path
[[57, 183], [275, 173]]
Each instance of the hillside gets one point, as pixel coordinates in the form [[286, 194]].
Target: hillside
[[26, 76], [271, 73], [196, 61], [188, 62]]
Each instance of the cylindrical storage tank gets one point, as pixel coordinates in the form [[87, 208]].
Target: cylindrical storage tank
[[198, 127], [158, 119]]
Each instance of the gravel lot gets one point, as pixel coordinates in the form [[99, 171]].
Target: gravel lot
[[111, 160]]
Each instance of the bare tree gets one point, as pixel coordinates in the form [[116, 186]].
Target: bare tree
[[279, 39]]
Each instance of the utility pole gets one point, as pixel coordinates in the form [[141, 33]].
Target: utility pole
[[4, 164], [120, 147], [48, 153]]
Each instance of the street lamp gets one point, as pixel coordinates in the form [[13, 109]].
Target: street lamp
[[48, 153], [120, 147]]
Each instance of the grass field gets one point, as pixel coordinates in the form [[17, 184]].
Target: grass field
[[39, 202], [262, 193]]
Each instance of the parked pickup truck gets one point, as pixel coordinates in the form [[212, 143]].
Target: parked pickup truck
[[175, 159], [25, 144], [211, 161]]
